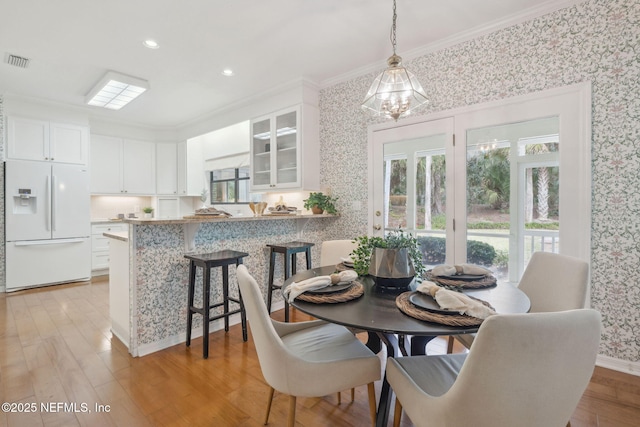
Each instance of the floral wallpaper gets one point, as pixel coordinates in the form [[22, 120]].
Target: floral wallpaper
[[2, 246], [597, 41]]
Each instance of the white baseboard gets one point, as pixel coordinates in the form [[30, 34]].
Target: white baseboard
[[632, 368], [216, 325]]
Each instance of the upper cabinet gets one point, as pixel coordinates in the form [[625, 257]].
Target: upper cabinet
[[167, 168], [30, 139], [121, 166], [173, 170], [284, 150]]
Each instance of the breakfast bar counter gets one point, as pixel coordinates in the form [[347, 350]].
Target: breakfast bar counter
[[158, 273]]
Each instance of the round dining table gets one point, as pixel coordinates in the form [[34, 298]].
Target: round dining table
[[376, 312]]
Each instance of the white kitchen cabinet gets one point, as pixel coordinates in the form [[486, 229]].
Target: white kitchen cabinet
[[285, 151], [30, 139], [182, 169], [106, 164], [178, 169], [138, 167], [121, 166], [100, 246], [167, 168]]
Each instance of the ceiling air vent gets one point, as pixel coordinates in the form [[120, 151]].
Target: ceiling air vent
[[17, 61]]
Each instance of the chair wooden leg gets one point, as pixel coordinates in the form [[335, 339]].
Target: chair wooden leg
[[339, 398], [292, 411], [372, 402], [353, 394], [450, 344], [397, 413], [266, 418]]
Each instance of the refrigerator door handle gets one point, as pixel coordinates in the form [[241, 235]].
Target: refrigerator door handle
[[47, 208], [54, 201], [48, 242]]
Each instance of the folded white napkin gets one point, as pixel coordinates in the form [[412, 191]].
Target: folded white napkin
[[347, 261], [450, 270], [455, 301], [319, 282]]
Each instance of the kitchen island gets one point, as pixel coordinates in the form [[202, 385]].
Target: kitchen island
[[158, 273]]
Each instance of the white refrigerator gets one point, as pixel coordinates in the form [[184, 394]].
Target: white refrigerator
[[48, 225]]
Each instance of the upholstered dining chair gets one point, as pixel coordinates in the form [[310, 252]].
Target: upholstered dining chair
[[332, 251], [522, 370], [553, 282], [306, 359]]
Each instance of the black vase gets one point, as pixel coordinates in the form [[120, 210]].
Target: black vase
[[391, 268]]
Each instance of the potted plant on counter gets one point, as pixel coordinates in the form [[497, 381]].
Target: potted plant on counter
[[319, 203], [393, 260], [148, 212]]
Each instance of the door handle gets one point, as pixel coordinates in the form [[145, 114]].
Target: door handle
[[377, 227]]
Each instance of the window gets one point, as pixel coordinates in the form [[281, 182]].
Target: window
[[230, 186]]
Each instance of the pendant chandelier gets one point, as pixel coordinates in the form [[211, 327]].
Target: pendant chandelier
[[396, 92]]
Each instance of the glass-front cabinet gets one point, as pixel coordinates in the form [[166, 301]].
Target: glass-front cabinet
[[276, 151]]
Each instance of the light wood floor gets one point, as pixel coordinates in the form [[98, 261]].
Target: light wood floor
[[56, 349]]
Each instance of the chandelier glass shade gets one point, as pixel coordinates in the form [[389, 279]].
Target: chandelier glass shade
[[395, 92]]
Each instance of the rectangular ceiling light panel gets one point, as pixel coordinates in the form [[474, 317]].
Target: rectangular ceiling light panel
[[116, 90]]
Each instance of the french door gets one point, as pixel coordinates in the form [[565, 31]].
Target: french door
[[489, 184]]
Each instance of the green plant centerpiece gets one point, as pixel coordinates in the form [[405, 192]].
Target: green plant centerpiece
[[147, 209], [319, 202], [393, 260]]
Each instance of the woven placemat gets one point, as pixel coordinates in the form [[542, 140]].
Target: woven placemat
[[356, 290], [486, 282], [408, 308]]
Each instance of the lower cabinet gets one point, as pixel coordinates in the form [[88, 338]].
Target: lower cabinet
[[100, 246]]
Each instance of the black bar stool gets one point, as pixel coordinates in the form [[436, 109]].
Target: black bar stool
[[207, 262], [289, 251]]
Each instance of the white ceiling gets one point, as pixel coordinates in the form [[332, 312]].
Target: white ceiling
[[72, 43]]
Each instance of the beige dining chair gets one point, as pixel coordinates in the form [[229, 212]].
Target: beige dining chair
[[523, 370], [306, 359], [332, 251], [553, 282]]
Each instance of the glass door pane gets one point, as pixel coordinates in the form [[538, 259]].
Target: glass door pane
[[261, 161], [415, 192], [512, 194], [286, 141], [431, 205], [395, 193]]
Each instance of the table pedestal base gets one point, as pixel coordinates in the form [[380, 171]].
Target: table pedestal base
[[395, 345]]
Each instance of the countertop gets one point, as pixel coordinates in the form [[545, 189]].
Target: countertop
[[104, 220], [192, 219]]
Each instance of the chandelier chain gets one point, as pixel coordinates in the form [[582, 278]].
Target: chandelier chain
[[393, 28]]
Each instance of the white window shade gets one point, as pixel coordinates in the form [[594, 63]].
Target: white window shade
[[232, 161]]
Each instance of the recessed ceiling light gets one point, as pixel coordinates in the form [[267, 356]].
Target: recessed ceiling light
[[116, 90], [227, 72], [151, 44]]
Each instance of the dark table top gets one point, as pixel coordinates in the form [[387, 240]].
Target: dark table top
[[376, 310]]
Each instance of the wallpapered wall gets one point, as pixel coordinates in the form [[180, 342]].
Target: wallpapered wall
[[2, 247], [597, 41]]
